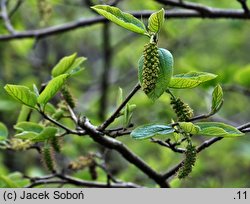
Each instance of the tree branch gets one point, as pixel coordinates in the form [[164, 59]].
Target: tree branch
[[214, 13], [111, 143], [187, 5], [117, 111], [5, 17], [244, 5], [200, 148]]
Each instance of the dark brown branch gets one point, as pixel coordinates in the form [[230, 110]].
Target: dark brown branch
[[168, 145], [111, 143], [187, 5], [54, 30], [236, 88], [117, 111], [104, 86], [68, 130], [244, 5]]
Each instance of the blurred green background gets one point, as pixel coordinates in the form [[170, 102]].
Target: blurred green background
[[219, 46]]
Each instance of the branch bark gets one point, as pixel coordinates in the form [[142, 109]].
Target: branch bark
[[214, 13]]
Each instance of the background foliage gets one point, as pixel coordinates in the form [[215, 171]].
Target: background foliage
[[218, 46]]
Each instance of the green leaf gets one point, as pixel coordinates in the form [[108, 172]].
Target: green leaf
[[64, 65], [217, 98], [7, 182], [150, 130], [156, 21], [218, 129], [3, 132], [190, 80], [22, 94], [164, 76], [52, 88], [13, 180], [28, 126], [189, 127], [46, 134], [26, 135], [122, 19]]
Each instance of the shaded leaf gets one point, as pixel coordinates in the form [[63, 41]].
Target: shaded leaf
[[150, 130], [189, 127], [52, 88], [46, 134], [190, 79], [217, 98], [28, 126], [218, 129], [156, 21], [22, 94], [3, 132], [26, 135], [122, 19]]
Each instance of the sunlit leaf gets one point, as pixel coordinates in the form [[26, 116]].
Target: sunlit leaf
[[63, 65], [190, 79], [156, 21], [52, 88], [22, 94], [218, 129], [150, 130], [122, 19]]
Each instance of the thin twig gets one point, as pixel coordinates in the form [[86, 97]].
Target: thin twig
[[187, 5], [5, 17], [244, 5], [117, 111], [68, 130], [168, 145]]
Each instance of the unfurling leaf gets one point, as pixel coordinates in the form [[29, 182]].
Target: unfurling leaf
[[189, 127], [190, 80], [22, 94], [150, 130], [217, 99], [52, 88], [122, 19], [67, 65], [218, 129], [156, 21]]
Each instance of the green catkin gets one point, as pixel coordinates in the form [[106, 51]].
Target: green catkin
[[55, 143], [68, 96], [45, 11], [150, 67], [48, 157], [189, 161], [182, 110]]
